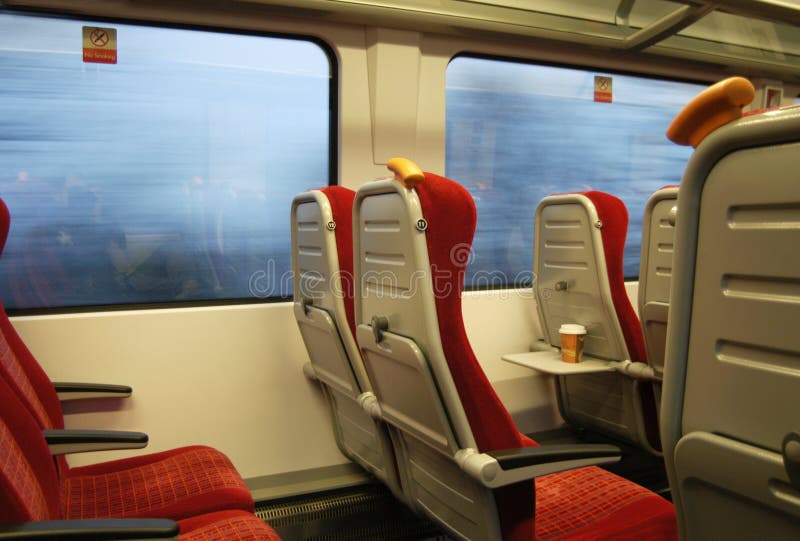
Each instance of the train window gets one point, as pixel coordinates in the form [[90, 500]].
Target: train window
[[517, 132], [159, 166]]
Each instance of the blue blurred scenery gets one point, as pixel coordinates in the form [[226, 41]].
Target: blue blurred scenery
[[167, 176], [518, 132]]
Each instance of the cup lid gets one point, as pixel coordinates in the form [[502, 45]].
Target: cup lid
[[572, 328]]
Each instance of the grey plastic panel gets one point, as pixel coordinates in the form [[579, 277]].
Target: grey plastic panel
[[313, 252], [460, 504], [602, 401], [743, 374], [732, 490], [366, 441], [568, 250], [655, 273], [324, 345], [406, 390], [331, 347], [731, 365]]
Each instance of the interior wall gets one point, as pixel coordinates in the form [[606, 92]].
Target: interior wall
[[231, 377]]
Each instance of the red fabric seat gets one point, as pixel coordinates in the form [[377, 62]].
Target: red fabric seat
[[200, 479], [30, 488], [177, 483], [588, 503], [614, 215]]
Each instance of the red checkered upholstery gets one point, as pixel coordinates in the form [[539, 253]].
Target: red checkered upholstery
[[591, 503], [226, 526], [617, 514], [164, 484], [174, 484], [30, 488], [21, 492]]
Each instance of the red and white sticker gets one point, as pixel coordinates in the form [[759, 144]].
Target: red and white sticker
[[99, 45], [602, 89]]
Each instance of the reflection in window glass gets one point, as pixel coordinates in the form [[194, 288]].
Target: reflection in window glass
[[518, 132], [165, 177]]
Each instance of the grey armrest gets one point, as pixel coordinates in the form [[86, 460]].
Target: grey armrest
[[64, 442], [499, 468], [91, 530], [76, 390]]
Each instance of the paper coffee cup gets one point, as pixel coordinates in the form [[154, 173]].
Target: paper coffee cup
[[572, 337]]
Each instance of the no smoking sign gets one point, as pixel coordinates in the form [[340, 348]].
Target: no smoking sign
[[99, 45], [602, 89]]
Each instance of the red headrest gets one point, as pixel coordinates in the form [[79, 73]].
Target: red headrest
[[341, 200], [450, 212], [612, 212]]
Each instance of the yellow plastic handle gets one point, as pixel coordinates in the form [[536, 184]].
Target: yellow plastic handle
[[406, 171], [710, 109]]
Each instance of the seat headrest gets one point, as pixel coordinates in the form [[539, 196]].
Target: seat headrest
[[714, 107]]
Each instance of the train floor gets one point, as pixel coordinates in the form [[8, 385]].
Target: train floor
[[370, 513]]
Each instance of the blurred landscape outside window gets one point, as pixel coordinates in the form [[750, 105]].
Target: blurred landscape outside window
[[518, 132], [165, 177]]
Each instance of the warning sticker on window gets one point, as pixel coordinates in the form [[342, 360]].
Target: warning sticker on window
[[99, 45], [602, 89]]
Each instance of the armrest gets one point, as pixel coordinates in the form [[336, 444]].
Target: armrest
[[76, 391], [91, 530], [64, 442], [504, 467]]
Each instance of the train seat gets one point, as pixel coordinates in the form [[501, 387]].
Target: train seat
[[32, 496], [462, 460], [578, 247], [322, 258], [655, 275], [731, 392], [202, 479]]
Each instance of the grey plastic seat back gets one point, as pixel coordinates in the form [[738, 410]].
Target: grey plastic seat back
[[732, 373], [572, 286], [571, 277], [320, 313], [655, 271], [407, 366]]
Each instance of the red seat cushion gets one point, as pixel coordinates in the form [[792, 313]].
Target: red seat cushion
[[591, 503], [29, 485], [226, 526], [175, 484]]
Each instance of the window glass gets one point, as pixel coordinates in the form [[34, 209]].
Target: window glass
[[167, 176], [517, 132]]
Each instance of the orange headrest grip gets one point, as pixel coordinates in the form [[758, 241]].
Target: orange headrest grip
[[712, 108], [406, 171]]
